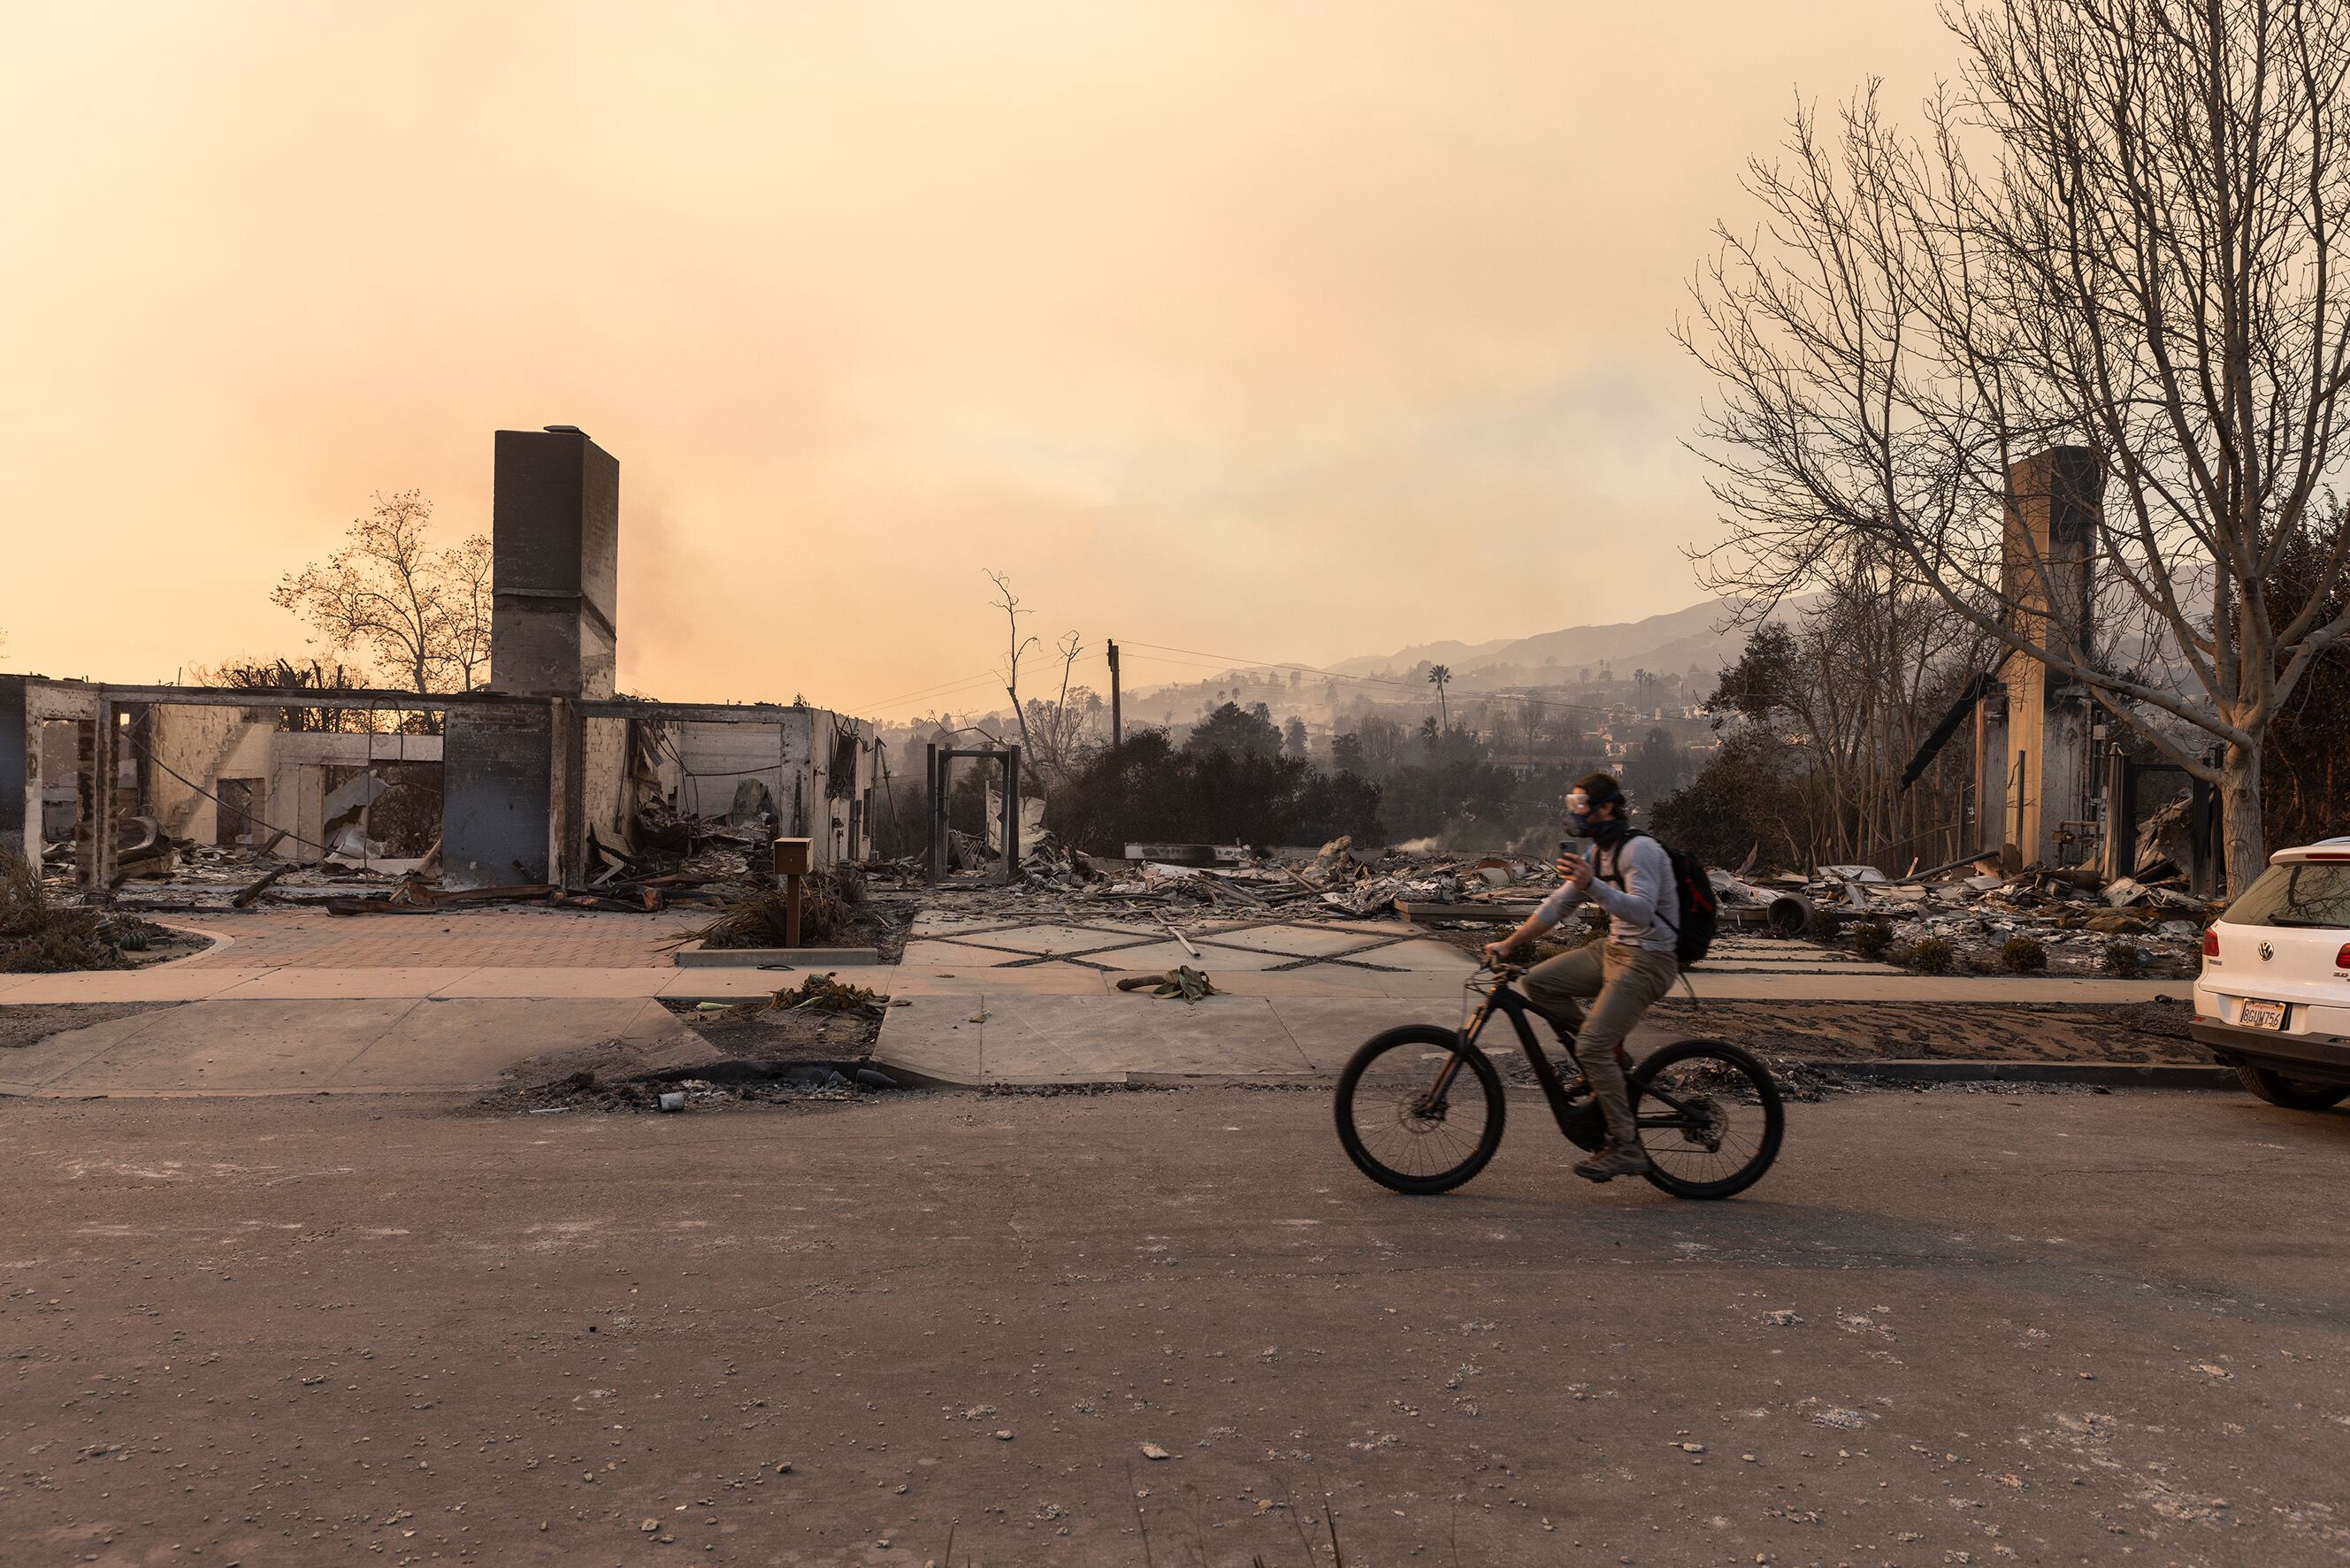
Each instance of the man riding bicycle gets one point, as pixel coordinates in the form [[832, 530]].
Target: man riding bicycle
[[1629, 876]]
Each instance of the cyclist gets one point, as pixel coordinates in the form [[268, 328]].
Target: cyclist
[[1626, 969]]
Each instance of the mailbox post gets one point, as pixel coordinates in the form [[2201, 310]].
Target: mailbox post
[[795, 858]]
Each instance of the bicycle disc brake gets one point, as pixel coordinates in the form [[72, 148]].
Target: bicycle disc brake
[[1704, 1122], [1418, 1116]]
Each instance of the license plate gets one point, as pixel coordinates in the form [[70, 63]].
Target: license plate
[[2262, 1015]]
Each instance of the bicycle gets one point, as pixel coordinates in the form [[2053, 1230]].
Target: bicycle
[[1401, 1092]]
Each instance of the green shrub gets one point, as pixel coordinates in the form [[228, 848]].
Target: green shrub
[[1871, 937], [1931, 956], [2022, 955]]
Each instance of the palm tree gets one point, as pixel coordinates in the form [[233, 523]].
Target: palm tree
[[1440, 675]]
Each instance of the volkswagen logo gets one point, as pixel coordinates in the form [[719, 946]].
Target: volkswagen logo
[[2267, 953]]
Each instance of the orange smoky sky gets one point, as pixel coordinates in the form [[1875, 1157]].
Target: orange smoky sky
[[1283, 331]]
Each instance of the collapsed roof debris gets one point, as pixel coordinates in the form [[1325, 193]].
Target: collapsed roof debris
[[2070, 911]]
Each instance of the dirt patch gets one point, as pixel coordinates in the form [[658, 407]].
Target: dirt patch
[[30, 1022], [713, 1086], [2139, 1032], [812, 1041]]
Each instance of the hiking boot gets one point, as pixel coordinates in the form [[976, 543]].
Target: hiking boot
[[1616, 1159]]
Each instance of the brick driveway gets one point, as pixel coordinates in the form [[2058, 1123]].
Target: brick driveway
[[489, 938]]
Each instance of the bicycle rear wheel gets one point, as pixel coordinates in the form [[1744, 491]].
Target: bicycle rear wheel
[[1395, 1126], [1710, 1117]]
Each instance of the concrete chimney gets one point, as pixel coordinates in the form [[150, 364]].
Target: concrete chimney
[[556, 536]]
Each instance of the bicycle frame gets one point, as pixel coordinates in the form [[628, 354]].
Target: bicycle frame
[[1581, 1123]]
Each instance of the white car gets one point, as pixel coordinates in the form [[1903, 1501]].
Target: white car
[[2273, 999]]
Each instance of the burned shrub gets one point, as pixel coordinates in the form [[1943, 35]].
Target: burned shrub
[[754, 915], [2124, 959], [38, 937], [1871, 937], [2022, 955], [1931, 956]]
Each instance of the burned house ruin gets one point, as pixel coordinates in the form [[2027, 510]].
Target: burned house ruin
[[543, 777], [2051, 784], [2035, 786]]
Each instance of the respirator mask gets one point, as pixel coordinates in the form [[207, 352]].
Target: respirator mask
[[1581, 821]]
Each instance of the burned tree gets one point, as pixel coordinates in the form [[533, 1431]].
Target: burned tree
[[2148, 264], [421, 613], [1018, 646]]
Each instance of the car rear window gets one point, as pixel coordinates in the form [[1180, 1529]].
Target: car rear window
[[2304, 893]]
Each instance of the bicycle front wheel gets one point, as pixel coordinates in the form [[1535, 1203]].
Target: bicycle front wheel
[[1418, 1111], [1710, 1117]]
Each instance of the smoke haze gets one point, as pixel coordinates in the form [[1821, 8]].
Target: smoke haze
[[1290, 331]]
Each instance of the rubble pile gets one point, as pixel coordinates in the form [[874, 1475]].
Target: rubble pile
[[829, 994], [2083, 923], [1337, 881], [668, 858], [2148, 921], [182, 875]]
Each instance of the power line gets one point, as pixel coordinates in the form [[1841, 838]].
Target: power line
[[940, 689]]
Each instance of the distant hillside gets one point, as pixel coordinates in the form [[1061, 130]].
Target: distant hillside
[[1695, 636], [1459, 655]]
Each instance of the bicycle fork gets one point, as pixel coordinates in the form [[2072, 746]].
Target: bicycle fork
[[1452, 1068]]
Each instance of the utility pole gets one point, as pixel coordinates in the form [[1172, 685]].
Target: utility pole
[[1116, 714]]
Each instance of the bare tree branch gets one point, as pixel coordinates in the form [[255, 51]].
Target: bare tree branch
[[421, 615], [2147, 265]]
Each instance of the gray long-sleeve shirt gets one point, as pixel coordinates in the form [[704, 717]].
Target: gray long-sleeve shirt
[[1633, 881]]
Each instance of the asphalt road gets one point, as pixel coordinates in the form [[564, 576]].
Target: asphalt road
[[1950, 1327]]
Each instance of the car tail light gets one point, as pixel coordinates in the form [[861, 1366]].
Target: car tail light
[[2211, 943], [2342, 959]]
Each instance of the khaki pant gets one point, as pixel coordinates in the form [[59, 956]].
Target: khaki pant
[[1628, 981]]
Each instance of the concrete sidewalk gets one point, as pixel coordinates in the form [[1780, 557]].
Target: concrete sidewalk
[[385, 1046], [984, 1001], [177, 982], [990, 1001]]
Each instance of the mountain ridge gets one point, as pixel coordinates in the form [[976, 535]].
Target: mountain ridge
[[1699, 633]]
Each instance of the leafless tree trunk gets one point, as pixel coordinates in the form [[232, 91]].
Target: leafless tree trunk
[[1009, 602], [2149, 265]]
